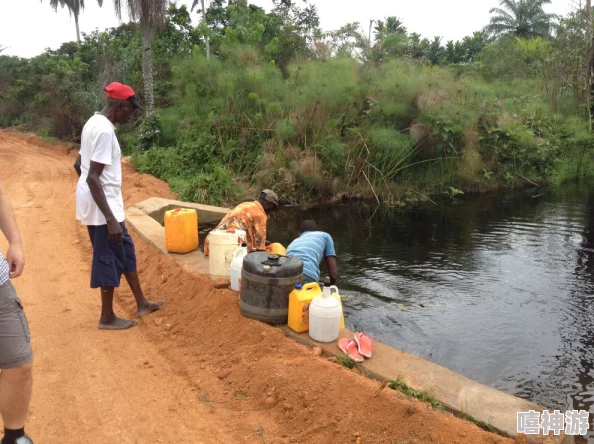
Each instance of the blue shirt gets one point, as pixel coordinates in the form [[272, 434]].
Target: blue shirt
[[311, 247]]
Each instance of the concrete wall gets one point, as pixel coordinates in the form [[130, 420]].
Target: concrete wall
[[156, 208]]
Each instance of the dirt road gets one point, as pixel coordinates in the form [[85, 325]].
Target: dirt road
[[194, 372]]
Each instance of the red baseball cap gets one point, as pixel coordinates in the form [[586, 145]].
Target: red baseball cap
[[119, 91]]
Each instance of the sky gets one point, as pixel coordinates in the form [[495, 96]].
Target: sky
[[28, 27]]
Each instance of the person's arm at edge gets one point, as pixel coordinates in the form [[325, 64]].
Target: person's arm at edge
[[332, 269], [330, 254], [8, 225]]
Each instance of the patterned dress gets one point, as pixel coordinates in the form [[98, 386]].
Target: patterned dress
[[4, 270], [250, 217]]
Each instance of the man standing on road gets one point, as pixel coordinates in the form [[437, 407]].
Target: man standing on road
[[16, 355], [100, 206], [311, 247]]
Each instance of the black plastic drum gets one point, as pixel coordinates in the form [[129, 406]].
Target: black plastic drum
[[266, 282]]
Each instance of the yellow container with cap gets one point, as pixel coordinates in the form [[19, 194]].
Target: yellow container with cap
[[299, 300], [276, 248], [181, 230]]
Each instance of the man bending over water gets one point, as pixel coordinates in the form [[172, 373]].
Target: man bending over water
[[311, 247]]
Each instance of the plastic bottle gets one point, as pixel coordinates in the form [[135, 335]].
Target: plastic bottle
[[325, 313], [236, 266]]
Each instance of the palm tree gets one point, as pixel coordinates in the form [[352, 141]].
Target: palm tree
[[590, 59], [392, 33], [194, 4], [75, 7], [523, 18], [150, 14], [392, 25]]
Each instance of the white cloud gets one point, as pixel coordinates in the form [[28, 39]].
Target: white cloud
[[28, 27]]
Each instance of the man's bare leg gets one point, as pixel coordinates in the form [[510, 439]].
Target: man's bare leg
[[109, 320], [15, 394], [144, 307]]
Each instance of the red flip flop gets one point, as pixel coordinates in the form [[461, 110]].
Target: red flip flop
[[349, 347], [364, 344]]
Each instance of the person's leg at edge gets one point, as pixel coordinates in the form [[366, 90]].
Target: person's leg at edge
[[131, 274], [15, 394], [16, 357]]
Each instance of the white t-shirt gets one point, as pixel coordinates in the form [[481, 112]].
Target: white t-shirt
[[99, 144]]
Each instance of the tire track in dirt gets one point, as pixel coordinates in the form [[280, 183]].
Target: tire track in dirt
[[197, 371]]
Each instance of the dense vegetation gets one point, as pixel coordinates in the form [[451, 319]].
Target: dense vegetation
[[315, 115]]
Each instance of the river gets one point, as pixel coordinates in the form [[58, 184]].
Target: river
[[498, 288]]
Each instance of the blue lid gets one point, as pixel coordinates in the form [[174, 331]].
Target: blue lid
[[298, 286]]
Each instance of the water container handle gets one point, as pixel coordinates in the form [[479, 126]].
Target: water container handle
[[311, 286], [333, 287]]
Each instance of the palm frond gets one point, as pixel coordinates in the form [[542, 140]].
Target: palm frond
[[501, 12], [74, 6], [521, 17], [117, 6]]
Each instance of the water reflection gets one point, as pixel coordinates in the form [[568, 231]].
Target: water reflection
[[497, 288], [581, 302]]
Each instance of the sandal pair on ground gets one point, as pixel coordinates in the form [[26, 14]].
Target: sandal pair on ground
[[359, 349]]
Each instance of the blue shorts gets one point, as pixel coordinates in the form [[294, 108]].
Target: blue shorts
[[307, 280], [110, 261]]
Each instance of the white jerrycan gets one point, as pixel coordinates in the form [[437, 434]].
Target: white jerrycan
[[325, 313], [236, 266]]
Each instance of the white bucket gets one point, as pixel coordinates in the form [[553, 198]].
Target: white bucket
[[222, 245]]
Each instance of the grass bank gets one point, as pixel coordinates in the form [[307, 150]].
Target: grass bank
[[321, 116], [336, 129]]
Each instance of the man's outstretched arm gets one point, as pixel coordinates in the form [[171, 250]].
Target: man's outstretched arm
[[8, 226], [332, 269]]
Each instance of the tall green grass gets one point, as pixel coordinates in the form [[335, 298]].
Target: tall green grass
[[338, 127]]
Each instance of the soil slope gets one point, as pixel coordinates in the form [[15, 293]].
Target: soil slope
[[197, 371]]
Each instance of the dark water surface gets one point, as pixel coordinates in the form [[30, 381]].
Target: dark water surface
[[497, 288]]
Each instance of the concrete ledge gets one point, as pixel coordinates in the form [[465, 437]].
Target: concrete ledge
[[455, 392], [156, 207], [452, 390], [153, 233]]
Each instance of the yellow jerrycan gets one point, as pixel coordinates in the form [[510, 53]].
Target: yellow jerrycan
[[181, 230], [299, 300]]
